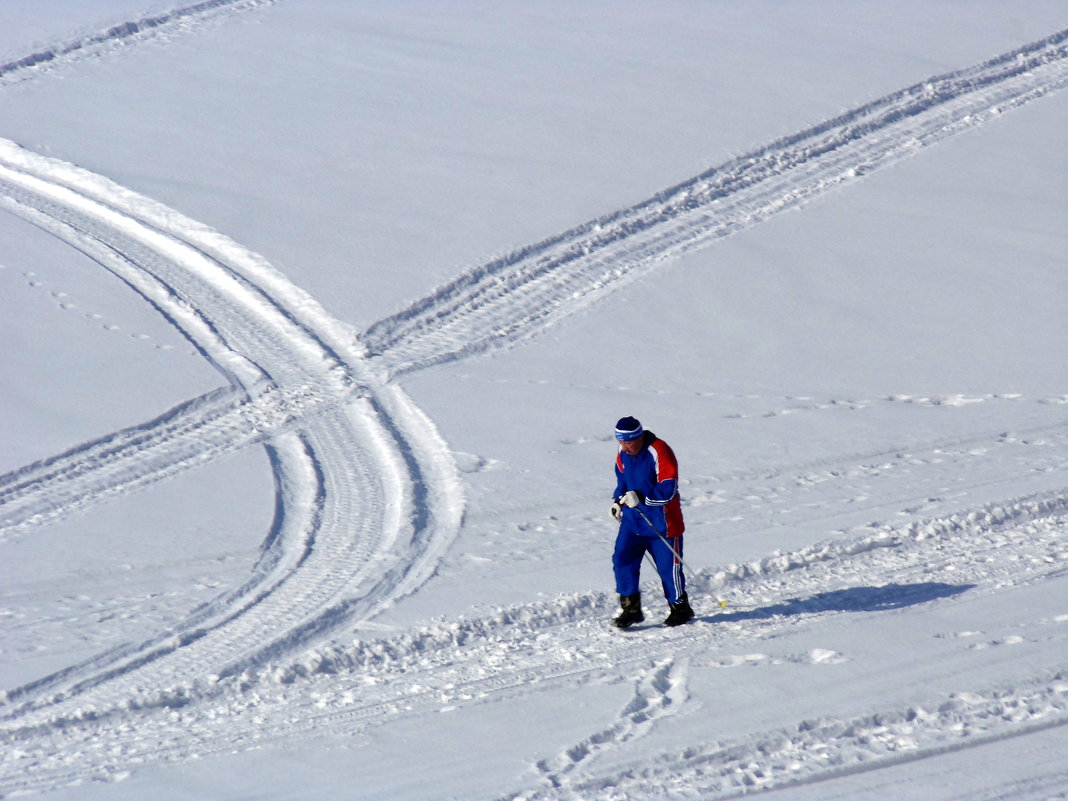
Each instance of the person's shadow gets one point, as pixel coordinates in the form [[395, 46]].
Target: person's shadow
[[853, 599]]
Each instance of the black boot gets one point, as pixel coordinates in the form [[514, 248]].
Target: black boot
[[632, 611], [680, 612]]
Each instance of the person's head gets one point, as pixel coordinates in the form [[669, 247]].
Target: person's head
[[630, 434]]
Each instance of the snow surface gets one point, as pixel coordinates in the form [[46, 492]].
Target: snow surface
[[318, 316]]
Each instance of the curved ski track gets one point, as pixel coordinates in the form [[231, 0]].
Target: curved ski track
[[350, 457], [337, 430]]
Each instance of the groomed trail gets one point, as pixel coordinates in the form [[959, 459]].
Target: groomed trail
[[369, 498], [340, 443], [514, 297]]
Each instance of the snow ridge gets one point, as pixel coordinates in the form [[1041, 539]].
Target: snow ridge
[[762, 588], [511, 653], [513, 297]]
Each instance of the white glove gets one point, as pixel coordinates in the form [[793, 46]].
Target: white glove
[[617, 511], [631, 499]]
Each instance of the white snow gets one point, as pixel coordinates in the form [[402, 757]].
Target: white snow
[[317, 319]]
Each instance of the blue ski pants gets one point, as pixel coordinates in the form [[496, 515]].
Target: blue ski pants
[[634, 540]]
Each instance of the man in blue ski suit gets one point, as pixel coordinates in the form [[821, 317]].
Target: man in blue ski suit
[[646, 504]]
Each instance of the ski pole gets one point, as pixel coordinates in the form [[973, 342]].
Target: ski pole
[[722, 603]]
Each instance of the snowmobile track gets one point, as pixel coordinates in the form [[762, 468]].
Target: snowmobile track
[[290, 368], [320, 399], [167, 23], [511, 298]]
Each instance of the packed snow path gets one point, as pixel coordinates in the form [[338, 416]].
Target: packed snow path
[[338, 430], [518, 295], [357, 468]]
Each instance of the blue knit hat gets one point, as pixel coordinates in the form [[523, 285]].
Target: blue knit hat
[[628, 428]]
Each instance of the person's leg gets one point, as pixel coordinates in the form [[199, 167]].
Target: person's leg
[[627, 560], [668, 560]]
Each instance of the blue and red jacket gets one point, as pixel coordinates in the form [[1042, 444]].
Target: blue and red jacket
[[653, 472]]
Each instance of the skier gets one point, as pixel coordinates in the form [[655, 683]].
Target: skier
[[646, 505]]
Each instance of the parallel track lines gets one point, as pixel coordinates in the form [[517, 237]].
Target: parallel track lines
[[367, 489]]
